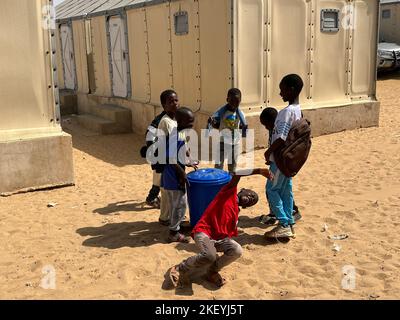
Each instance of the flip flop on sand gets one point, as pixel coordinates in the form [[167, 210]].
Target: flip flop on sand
[[216, 278], [174, 276]]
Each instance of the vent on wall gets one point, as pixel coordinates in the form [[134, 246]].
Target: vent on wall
[[386, 14], [330, 20], [181, 23]]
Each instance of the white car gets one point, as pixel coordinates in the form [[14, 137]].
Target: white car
[[388, 56]]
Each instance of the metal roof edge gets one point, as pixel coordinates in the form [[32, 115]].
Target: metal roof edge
[[128, 7], [146, 4], [116, 10], [390, 2], [106, 12]]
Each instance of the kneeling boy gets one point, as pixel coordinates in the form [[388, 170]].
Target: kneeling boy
[[214, 232]]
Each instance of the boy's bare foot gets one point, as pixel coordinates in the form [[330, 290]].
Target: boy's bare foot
[[177, 278], [216, 278]]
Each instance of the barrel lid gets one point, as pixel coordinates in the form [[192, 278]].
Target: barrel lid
[[209, 176]]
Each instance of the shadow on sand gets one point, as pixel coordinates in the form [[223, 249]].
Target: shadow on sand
[[128, 205], [119, 149], [127, 234], [144, 234]]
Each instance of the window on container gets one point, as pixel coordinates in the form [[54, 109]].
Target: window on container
[[181, 23], [386, 14], [330, 20]]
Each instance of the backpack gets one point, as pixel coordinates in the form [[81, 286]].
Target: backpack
[[291, 157]]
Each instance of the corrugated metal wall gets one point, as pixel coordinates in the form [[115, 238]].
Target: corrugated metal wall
[[197, 65], [160, 54], [249, 49], [78, 29], [100, 57], [186, 55], [139, 55], [275, 38], [216, 46], [363, 49], [330, 58], [250, 44], [26, 74], [390, 27]]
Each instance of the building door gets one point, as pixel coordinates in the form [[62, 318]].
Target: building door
[[119, 56], [68, 57]]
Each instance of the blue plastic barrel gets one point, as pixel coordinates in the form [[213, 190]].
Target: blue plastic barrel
[[204, 185]]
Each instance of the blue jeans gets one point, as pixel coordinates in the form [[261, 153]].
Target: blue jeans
[[280, 196]]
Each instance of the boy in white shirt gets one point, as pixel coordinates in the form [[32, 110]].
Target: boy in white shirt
[[170, 102], [267, 119], [280, 193]]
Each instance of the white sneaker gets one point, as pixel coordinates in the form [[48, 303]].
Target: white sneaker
[[280, 232]]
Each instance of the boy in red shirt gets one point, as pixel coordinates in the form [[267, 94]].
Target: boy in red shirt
[[214, 231]]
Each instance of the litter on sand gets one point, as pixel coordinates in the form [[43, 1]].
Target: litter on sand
[[336, 247], [338, 237], [52, 204], [324, 228]]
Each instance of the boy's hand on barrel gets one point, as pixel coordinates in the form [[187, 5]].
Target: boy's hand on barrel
[[194, 164], [195, 167]]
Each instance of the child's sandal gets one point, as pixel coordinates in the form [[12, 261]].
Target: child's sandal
[[179, 237], [174, 276]]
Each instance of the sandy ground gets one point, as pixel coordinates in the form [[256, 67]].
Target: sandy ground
[[103, 244]]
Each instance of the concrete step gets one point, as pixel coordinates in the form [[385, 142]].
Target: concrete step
[[112, 112], [101, 125], [106, 119], [93, 123]]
